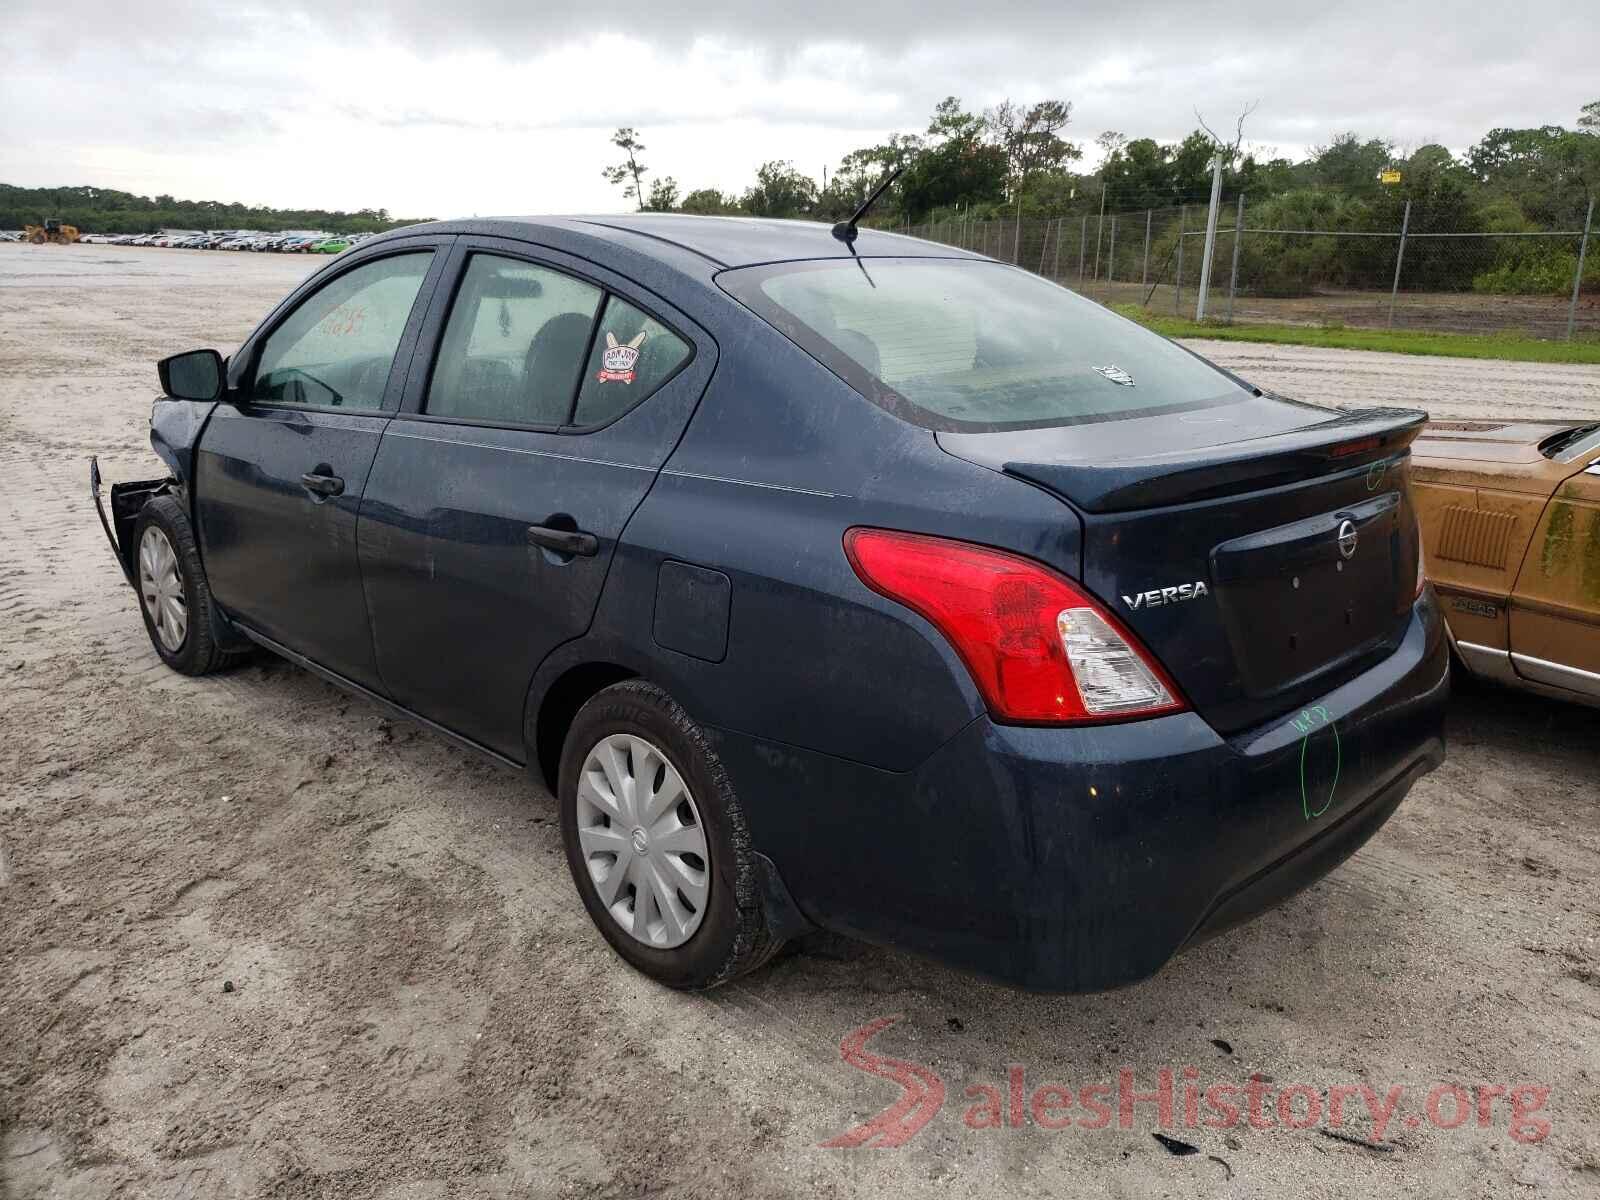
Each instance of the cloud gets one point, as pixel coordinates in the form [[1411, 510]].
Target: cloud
[[495, 105]]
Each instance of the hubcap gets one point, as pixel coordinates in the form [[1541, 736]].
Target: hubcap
[[642, 841], [161, 587]]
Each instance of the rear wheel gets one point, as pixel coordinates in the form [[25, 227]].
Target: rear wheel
[[173, 595], [657, 843]]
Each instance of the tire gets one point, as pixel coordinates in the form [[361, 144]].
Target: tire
[[163, 526], [726, 934]]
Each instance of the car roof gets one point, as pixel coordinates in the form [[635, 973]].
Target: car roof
[[723, 241]]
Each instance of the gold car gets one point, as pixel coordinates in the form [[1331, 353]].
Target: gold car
[[1510, 517]]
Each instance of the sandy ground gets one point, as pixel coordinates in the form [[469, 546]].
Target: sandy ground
[[420, 1008], [1448, 388]]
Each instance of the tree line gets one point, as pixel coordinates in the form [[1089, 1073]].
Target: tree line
[[106, 210], [1016, 160]]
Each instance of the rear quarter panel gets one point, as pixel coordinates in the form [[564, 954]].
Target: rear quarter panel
[[1477, 520], [780, 459]]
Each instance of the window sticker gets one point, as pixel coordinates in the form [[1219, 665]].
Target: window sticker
[[620, 359], [1116, 374]]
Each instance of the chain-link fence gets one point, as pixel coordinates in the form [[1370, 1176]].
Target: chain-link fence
[[1426, 272]]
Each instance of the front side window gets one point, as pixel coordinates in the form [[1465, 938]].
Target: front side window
[[633, 355], [337, 348], [968, 345], [514, 344]]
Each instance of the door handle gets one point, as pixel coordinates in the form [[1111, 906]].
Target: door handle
[[563, 541], [322, 485]]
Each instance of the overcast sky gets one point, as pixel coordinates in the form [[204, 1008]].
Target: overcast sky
[[454, 107]]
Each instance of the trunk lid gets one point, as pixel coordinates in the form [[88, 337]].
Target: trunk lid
[[1264, 551]]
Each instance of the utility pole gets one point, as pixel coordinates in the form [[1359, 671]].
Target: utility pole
[[1211, 236], [1016, 240], [1099, 228], [1577, 279], [1144, 278], [1399, 257]]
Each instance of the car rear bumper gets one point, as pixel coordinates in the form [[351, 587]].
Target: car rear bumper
[[1084, 859]]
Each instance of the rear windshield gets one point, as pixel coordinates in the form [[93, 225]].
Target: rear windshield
[[971, 345]]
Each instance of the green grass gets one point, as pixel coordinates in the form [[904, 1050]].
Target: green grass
[[1509, 346]]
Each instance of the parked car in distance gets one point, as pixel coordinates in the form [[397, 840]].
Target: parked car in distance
[[827, 578], [333, 245], [1510, 515]]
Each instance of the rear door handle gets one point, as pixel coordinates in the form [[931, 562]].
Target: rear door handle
[[564, 541], [323, 485]]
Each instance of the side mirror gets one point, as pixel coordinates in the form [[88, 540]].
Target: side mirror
[[195, 375]]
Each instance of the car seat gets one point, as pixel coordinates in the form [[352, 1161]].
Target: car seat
[[550, 370]]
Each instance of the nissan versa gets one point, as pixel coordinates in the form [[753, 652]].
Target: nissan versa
[[829, 578]]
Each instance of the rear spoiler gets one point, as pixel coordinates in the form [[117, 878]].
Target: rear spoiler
[[1208, 472]]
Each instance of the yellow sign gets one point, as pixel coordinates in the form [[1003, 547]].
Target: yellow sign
[[1390, 176]]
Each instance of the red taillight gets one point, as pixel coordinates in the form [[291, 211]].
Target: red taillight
[[1040, 649]]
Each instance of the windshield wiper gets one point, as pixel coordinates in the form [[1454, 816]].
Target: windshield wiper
[[1555, 445]]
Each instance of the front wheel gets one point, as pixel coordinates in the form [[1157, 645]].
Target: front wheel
[[173, 595], [657, 843]]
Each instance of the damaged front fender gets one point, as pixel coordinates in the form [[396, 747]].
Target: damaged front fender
[[175, 427], [126, 501]]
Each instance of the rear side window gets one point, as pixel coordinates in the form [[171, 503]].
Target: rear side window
[[336, 349], [969, 345], [633, 355], [514, 344]]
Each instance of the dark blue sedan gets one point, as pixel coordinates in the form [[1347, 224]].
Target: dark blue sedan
[[866, 585]]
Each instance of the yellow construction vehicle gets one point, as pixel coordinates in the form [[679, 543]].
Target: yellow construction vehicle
[[50, 231]]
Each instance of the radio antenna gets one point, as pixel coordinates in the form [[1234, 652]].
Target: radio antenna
[[845, 231]]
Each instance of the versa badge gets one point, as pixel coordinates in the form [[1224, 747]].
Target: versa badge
[[1156, 597]]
